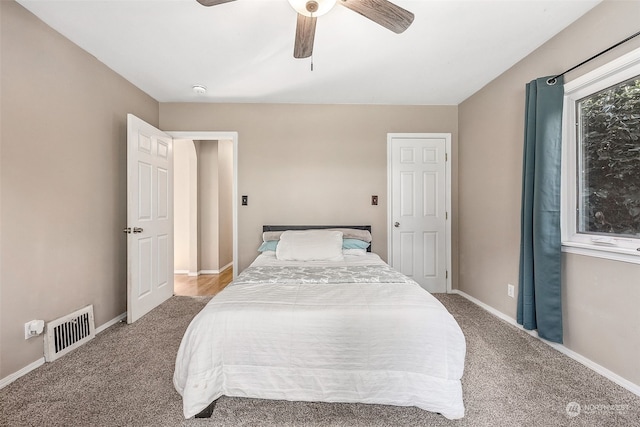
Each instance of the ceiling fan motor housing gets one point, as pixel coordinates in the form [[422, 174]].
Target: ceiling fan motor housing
[[312, 6]]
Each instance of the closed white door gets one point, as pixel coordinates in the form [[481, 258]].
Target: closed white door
[[149, 218], [419, 208]]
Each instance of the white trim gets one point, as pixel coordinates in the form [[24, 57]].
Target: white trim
[[215, 271], [613, 254], [226, 267], [605, 72], [617, 248], [111, 322], [633, 388], [448, 162], [22, 372], [32, 366], [198, 273], [226, 136]]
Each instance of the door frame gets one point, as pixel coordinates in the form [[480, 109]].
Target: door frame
[[448, 161], [217, 136]]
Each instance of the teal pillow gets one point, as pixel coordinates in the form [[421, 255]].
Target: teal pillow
[[354, 244], [269, 245]]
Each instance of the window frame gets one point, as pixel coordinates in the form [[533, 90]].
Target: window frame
[[626, 249]]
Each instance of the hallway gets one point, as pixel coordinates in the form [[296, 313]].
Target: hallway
[[202, 285]]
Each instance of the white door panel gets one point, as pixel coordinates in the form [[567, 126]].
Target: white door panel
[[149, 218], [431, 258], [405, 254], [418, 211]]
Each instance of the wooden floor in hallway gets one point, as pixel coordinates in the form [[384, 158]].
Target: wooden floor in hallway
[[202, 285]]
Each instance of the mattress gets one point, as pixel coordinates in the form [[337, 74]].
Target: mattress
[[348, 331]]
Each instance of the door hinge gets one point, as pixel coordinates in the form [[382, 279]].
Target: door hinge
[[446, 274], [446, 215], [446, 157]]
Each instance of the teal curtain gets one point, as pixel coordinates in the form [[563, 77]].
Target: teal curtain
[[539, 296]]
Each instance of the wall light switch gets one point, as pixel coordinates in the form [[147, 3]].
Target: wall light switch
[[245, 200], [374, 200]]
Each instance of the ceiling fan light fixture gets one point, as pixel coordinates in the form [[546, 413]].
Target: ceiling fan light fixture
[[313, 8]]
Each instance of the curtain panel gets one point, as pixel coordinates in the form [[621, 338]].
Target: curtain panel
[[539, 292]]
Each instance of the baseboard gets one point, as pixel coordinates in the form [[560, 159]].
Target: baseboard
[[491, 310], [216, 271], [111, 322], [24, 371], [198, 273], [622, 382]]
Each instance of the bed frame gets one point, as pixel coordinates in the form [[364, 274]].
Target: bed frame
[[208, 411]]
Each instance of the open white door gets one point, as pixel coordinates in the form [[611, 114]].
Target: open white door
[[149, 218], [420, 233]]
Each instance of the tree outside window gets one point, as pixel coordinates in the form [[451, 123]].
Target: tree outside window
[[609, 161]]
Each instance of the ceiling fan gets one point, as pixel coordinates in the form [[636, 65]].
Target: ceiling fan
[[382, 12]]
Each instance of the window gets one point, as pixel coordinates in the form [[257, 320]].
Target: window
[[601, 161]]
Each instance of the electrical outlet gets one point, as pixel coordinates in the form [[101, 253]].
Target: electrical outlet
[[510, 290]]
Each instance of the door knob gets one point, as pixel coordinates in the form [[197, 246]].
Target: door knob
[[396, 224], [137, 230]]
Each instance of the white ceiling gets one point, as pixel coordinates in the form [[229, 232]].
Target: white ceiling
[[243, 51]]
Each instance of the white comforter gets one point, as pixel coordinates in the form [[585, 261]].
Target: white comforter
[[384, 343]]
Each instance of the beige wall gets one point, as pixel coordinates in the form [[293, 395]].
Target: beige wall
[[208, 204], [601, 297], [312, 164], [62, 182]]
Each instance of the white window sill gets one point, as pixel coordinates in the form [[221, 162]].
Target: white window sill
[[607, 252]]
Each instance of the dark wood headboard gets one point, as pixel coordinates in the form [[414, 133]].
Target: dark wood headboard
[[314, 227]]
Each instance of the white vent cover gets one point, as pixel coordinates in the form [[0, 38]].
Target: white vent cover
[[68, 332]]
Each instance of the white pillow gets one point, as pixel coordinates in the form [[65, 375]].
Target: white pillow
[[310, 245], [356, 252]]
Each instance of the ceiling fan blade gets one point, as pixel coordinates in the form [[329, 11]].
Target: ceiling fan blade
[[213, 2], [382, 12], [305, 33]]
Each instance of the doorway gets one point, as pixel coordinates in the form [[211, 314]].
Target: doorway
[[205, 170]]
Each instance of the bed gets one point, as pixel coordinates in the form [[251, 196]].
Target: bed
[[344, 328]]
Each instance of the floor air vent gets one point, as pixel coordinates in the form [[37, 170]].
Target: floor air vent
[[68, 332]]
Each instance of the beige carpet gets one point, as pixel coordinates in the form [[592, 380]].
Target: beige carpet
[[124, 378]]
